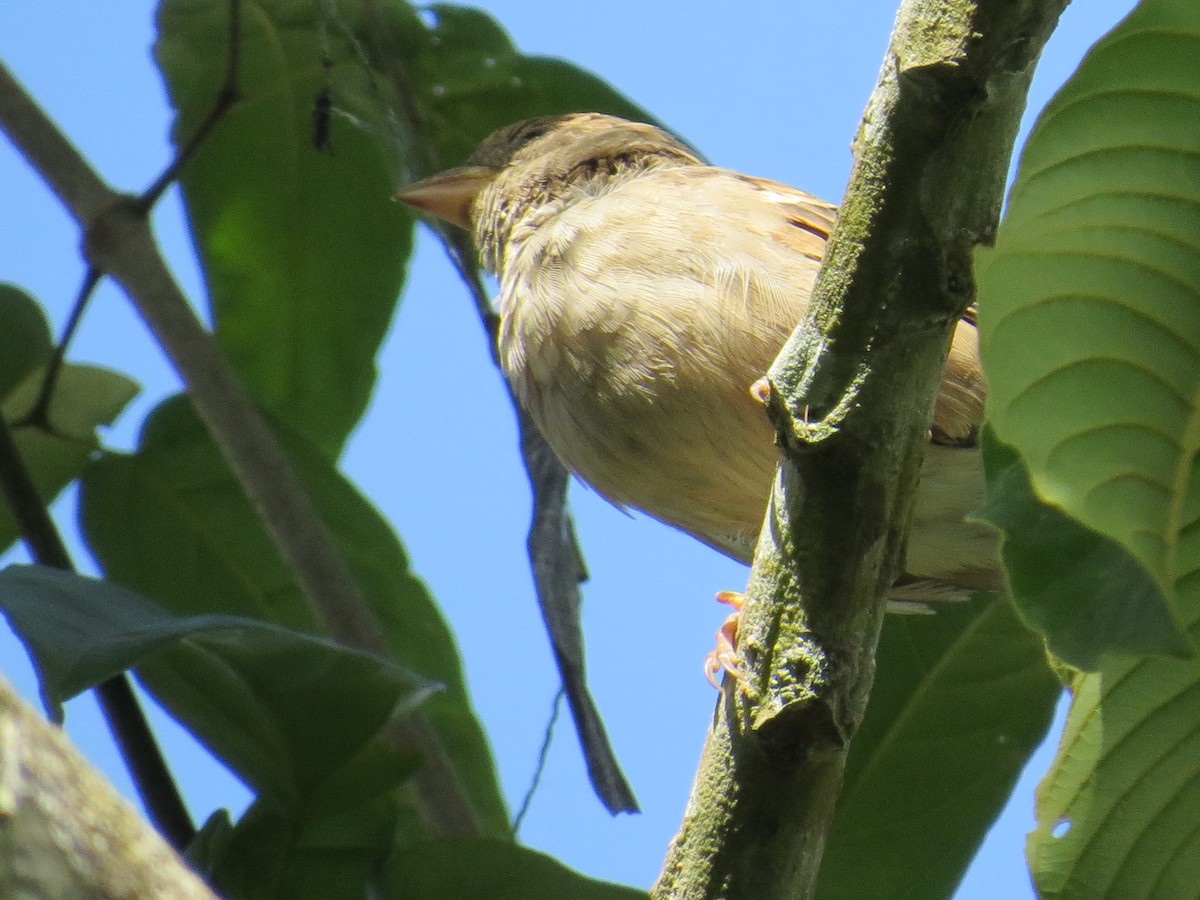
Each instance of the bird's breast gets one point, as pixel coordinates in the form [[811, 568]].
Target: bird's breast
[[638, 374]]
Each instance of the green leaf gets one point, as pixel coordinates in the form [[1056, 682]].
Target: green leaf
[[960, 701], [171, 522], [452, 869], [1047, 553], [275, 853], [302, 249], [296, 716], [1090, 323], [209, 844], [55, 449], [261, 697], [84, 398], [1090, 311], [80, 631], [472, 80], [24, 338], [1117, 811]]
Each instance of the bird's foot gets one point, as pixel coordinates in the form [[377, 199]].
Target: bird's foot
[[761, 390], [724, 655]]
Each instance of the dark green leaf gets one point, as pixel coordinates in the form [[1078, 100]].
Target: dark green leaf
[[264, 699], [81, 631], [1083, 590], [277, 853], [209, 844], [171, 522], [961, 699], [24, 337], [292, 714], [454, 869]]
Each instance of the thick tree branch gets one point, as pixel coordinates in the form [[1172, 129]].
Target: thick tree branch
[[64, 832], [850, 396], [118, 242]]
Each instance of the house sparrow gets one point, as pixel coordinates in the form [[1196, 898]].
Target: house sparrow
[[642, 293]]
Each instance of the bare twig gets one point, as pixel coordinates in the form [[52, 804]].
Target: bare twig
[[540, 768], [227, 95], [39, 413]]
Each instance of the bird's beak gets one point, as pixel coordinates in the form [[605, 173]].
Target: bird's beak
[[450, 194]]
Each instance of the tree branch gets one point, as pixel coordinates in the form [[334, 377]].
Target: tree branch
[[64, 831], [851, 395], [118, 242]]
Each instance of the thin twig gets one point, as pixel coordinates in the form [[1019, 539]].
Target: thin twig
[[39, 413], [540, 768], [227, 95], [124, 715]]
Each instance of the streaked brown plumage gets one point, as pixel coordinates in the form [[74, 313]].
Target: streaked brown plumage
[[642, 292]]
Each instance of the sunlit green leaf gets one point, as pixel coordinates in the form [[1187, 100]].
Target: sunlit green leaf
[[1090, 317], [1117, 812], [303, 250], [55, 446]]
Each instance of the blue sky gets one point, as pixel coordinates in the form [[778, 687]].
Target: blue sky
[[775, 90]]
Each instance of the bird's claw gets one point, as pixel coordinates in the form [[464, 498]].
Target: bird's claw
[[724, 655]]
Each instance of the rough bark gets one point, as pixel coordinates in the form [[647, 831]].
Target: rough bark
[[64, 831]]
